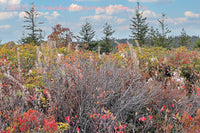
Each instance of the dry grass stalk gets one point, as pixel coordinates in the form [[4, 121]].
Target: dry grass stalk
[[69, 46], [133, 56], [99, 51], [138, 45], [19, 63]]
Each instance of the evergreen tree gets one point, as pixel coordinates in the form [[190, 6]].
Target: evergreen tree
[[161, 39], [35, 35], [139, 27], [151, 36], [197, 43], [184, 39], [106, 45], [87, 33]]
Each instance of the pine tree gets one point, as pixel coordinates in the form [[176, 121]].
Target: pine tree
[[106, 46], [87, 33], [139, 27], [151, 36], [161, 38], [35, 35], [184, 39], [197, 43]]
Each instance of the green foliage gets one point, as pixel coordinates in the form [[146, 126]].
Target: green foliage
[[197, 43], [105, 48], [161, 38], [139, 28], [87, 33], [93, 46], [107, 31], [107, 41], [31, 25], [151, 36], [82, 91], [184, 39]]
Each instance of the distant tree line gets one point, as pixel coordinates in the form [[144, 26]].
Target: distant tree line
[[140, 31]]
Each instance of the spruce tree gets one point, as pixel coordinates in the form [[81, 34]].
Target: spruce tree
[[87, 33], [139, 27], [34, 36], [106, 45], [151, 36], [161, 38], [197, 45], [184, 39]]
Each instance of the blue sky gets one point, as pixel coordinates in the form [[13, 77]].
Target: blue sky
[[180, 14]]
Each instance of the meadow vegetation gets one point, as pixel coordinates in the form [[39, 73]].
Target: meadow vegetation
[[45, 89]]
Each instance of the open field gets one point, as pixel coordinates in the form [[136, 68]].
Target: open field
[[45, 89]]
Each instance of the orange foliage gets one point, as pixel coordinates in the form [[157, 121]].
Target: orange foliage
[[122, 45]]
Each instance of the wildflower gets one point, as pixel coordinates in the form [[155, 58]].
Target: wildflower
[[142, 118], [45, 91], [67, 118], [175, 116], [163, 108], [78, 130], [150, 117], [183, 87], [103, 117]]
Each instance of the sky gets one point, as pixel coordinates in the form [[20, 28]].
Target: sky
[[72, 14]]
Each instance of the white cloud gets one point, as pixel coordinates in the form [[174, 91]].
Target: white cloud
[[190, 14], [55, 14], [120, 20], [43, 13], [104, 18], [7, 15], [150, 14], [52, 16], [75, 7], [5, 26], [97, 17], [22, 14], [176, 21], [123, 28], [86, 0], [111, 9], [151, 1], [10, 2], [143, 0], [46, 15]]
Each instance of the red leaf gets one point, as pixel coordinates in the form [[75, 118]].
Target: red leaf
[[150, 117], [77, 129], [67, 118], [142, 118]]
